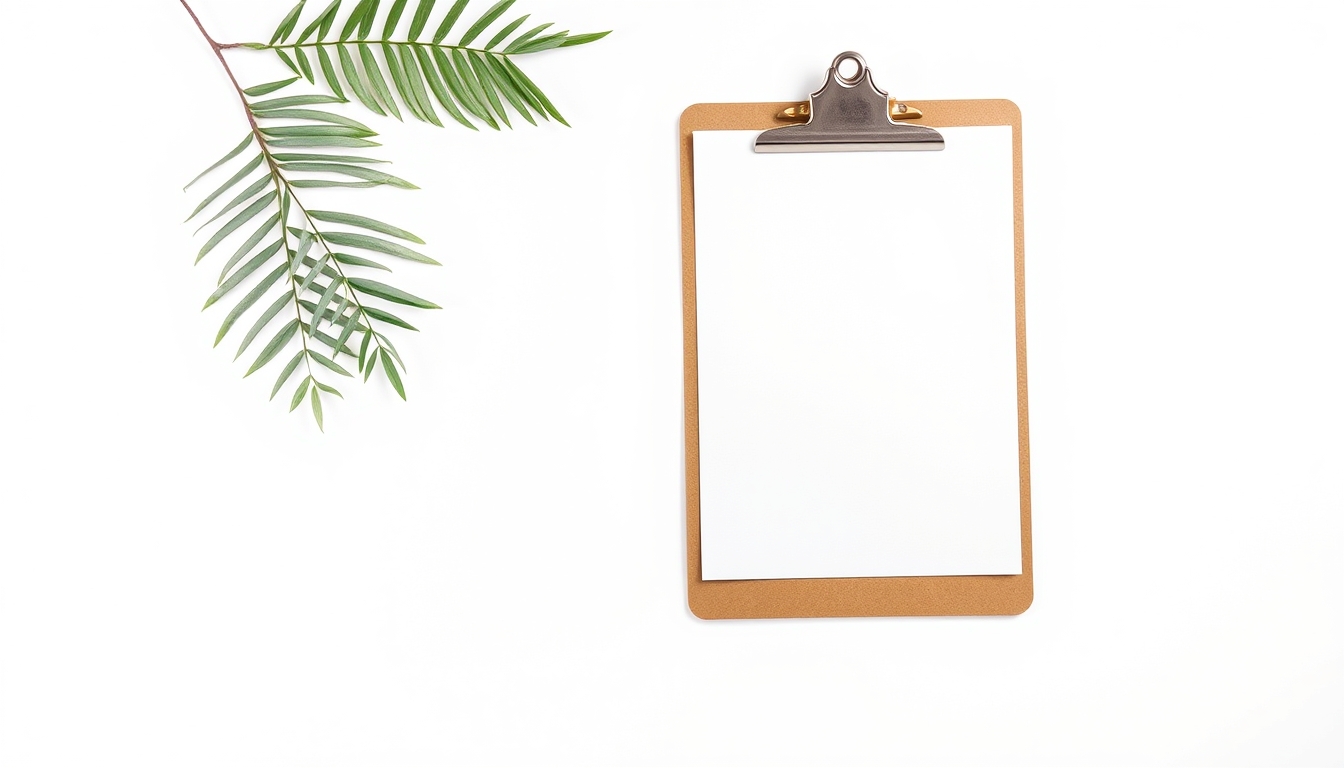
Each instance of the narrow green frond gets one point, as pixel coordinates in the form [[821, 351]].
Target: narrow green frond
[[318, 115], [364, 350], [329, 142], [387, 345], [393, 17], [501, 81], [522, 39], [288, 61], [417, 81], [287, 23], [236, 151], [235, 223], [392, 375], [543, 43], [290, 157], [244, 196], [375, 76], [329, 72], [396, 295], [458, 88], [356, 82], [305, 67], [328, 389], [326, 184], [247, 302], [290, 368], [356, 17], [523, 81], [323, 19], [317, 408], [363, 222], [243, 173], [485, 83], [422, 12], [262, 321], [505, 32], [273, 347], [322, 302], [295, 101], [400, 82], [477, 93], [238, 277], [316, 131], [357, 171], [389, 318], [440, 90], [366, 25], [583, 39], [446, 25], [328, 363], [368, 243], [299, 393], [247, 247], [356, 261], [487, 18], [265, 88]]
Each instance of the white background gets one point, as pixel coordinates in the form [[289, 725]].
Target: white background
[[493, 572]]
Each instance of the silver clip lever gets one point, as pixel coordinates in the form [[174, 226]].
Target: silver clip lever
[[849, 114]]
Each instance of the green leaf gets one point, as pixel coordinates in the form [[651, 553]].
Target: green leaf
[[353, 21], [262, 90], [505, 32], [363, 222], [273, 348], [356, 83], [322, 21], [238, 277], [290, 367], [440, 92], [366, 25], [477, 93], [295, 101], [522, 39], [392, 375], [422, 12], [329, 72], [384, 291], [328, 363], [356, 261], [248, 301], [350, 325], [393, 16], [584, 39], [282, 131], [237, 177], [294, 157], [247, 247], [353, 240], [304, 66], [328, 389], [263, 321], [318, 115], [543, 43], [447, 24], [458, 88], [375, 76], [402, 85], [494, 12], [324, 301], [287, 23], [323, 143], [330, 342], [524, 83], [417, 82], [317, 268], [388, 317], [317, 409], [299, 393], [242, 197], [288, 61], [387, 345], [483, 77], [324, 266], [364, 350], [501, 80], [235, 223], [357, 171], [236, 151], [324, 184]]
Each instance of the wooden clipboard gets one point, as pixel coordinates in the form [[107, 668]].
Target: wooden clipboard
[[836, 597]]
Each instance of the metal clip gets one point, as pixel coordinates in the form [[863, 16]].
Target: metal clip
[[849, 114]]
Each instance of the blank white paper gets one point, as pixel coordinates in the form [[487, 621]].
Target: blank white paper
[[857, 360]]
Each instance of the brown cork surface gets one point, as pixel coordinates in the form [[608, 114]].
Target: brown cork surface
[[802, 598]]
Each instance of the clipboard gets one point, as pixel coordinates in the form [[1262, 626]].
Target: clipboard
[[823, 125]]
